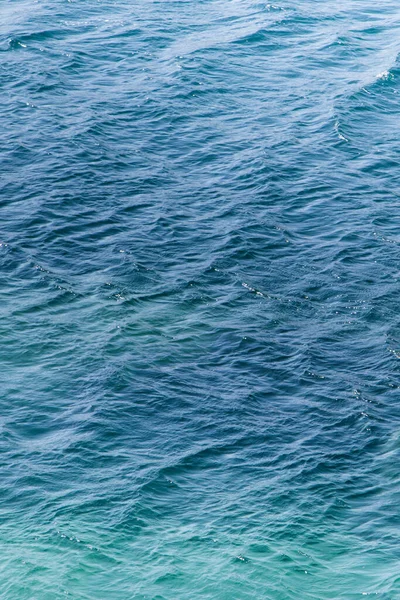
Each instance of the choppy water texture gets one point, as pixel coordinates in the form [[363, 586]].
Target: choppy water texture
[[200, 262]]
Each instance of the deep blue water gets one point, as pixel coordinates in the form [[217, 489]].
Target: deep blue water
[[200, 308]]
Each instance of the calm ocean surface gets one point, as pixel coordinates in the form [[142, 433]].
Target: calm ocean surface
[[200, 300]]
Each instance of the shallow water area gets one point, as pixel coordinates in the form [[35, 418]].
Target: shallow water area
[[199, 247]]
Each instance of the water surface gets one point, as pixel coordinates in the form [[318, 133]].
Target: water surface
[[200, 262]]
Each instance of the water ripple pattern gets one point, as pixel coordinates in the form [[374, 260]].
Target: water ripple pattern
[[200, 262]]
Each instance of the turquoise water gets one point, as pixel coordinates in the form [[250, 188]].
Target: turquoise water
[[200, 309]]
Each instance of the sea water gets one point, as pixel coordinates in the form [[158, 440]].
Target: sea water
[[200, 300]]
